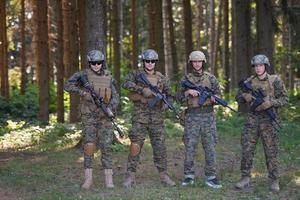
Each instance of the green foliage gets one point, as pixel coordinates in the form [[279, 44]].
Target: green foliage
[[20, 106], [117, 147]]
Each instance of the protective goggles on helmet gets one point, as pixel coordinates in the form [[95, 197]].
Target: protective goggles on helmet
[[150, 61], [96, 62]]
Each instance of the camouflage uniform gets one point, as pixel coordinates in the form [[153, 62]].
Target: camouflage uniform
[[199, 121], [96, 127], [147, 120], [259, 125]]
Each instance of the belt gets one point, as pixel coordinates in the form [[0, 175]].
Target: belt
[[202, 109]]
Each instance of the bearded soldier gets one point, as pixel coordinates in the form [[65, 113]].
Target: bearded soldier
[[97, 129], [146, 119], [199, 121], [258, 123]]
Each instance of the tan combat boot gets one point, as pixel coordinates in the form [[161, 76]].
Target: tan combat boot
[[88, 178], [108, 173], [129, 179], [243, 183], [165, 179], [275, 186]]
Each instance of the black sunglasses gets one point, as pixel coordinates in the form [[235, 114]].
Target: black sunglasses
[[150, 61], [96, 62]]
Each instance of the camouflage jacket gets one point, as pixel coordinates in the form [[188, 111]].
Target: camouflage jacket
[[276, 93], [134, 86], [74, 86], [203, 79]]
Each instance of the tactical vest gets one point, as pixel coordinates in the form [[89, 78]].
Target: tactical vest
[[155, 79], [204, 81], [101, 84], [266, 86]]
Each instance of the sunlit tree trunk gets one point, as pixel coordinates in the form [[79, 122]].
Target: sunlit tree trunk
[[3, 52], [187, 15], [71, 50], [41, 57]]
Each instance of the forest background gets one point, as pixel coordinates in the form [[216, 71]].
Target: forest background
[[43, 42]]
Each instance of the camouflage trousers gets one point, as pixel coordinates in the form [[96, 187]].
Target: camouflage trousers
[[259, 127], [148, 121], [200, 125], [98, 130]]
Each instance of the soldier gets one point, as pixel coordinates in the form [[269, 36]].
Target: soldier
[[259, 124], [199, 121], [147, 119], [97, 129]]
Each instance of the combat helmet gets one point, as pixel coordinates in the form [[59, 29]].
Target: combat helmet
[[149, 54], [260, 59], [197, 56]]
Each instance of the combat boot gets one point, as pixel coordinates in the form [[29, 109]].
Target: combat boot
[[88, 178], [243, 183], [275, 186], [129, 179], [108, 173], [165, 179]]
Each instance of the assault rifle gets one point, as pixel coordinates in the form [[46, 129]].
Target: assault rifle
[[100, 103], [205, 93], [258, 97], [157, 93]]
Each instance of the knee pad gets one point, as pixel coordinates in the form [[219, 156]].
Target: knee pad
[[89, 149], [135, 149]]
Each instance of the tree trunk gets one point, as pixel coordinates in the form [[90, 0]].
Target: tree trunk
[[187, 15], [81, 22], [199, 22], [3, 52], [212, 36], [265, 30], [23, 50], [156, 34], [41, 57], [242, 42], [226, 45], [134, 35], [116, 42], [170, 20], [60, 65], [71, 48]]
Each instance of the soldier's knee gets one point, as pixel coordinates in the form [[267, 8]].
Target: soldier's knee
[[89, 149], [135, 149]]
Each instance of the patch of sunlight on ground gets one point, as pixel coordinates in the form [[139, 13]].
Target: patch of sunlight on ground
[[297, 180], [256, 174], [80, 159]]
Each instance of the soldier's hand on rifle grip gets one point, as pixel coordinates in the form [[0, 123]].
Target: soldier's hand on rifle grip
[[212, 100], [147, 92], [248, 97], [264, 106], [87, 96], [193, 93]]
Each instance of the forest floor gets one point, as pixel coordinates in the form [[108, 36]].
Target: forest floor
[[51, 168]]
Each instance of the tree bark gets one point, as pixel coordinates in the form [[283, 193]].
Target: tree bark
[[71, 50], [212, 36], [41, 58], [265, 30], [170, 20], [134, 35], [23, 50], [187, 15], [226, 46], [156, 34], [116, 42], [199, 23], [3, 52]]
